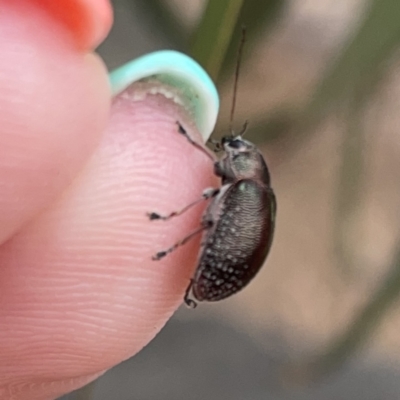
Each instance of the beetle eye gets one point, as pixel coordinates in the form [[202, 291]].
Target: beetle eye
[[235, 144]]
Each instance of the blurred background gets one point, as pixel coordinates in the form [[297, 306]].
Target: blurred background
[[320, 85]]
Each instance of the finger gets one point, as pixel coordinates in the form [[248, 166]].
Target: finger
[[88, 21], [53, 108], [79, 290]]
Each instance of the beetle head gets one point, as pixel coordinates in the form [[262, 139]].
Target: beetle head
[[242, 160]]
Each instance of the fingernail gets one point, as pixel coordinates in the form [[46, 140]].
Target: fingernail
[[171, 68]]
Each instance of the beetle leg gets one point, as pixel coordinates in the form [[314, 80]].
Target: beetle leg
[[188, 301], [163, 253], [207, 194], [183, 132]]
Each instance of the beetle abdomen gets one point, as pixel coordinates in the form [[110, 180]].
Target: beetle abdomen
[[238, 244]]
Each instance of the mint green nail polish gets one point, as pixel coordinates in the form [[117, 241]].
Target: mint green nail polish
[[180, 71]]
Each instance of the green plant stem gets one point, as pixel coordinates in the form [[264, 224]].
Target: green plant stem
[[374, 42], [213, 35]]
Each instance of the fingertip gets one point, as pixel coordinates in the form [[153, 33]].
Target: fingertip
[[88, 21], [197, 91], [84, 266], [92, 251]]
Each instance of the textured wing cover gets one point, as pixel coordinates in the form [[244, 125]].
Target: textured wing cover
[[239, 243]]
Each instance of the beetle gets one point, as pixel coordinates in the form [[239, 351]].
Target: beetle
[[238, 224]]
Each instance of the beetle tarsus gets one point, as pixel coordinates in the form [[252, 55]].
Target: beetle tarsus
[[207, 194], [159, 255], [152, 216], [188, 301], [181, 129]]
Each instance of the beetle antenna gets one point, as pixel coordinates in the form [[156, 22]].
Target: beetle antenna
[[239, 59], [244, 129]]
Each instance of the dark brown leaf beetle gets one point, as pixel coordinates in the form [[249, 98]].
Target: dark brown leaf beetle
[[238, 224]]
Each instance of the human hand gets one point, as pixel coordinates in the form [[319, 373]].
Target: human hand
[[78, 289]]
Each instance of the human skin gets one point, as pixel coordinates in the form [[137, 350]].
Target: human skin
[[79, 292]]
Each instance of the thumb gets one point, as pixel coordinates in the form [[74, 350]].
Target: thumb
[[80, 292]]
